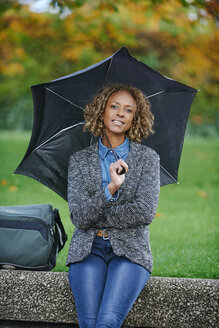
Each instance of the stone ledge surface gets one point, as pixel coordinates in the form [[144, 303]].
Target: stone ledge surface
[[164, 302]]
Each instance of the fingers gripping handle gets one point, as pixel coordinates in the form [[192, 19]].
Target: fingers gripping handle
[[123, 171]]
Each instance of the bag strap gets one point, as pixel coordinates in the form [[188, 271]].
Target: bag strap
[[60, 236]]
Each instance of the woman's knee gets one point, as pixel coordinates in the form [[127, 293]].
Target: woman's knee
[[87, 322], [109, 320]]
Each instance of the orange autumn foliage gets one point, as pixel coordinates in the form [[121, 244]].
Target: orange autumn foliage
[[182, 42]]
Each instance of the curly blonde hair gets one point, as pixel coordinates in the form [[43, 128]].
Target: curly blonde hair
[[143, 119]]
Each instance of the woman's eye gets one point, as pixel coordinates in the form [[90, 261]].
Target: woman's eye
[[113, 106], [129, 110]]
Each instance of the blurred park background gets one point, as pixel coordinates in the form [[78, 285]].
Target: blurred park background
[[44, 40]]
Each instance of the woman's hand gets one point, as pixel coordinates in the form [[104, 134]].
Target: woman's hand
[[116, 179]]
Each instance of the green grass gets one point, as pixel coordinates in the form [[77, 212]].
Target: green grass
[[184, 234]]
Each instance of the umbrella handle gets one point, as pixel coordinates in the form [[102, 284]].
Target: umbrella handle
[[122, 172]]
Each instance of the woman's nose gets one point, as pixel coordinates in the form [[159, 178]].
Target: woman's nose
[[120, 112]]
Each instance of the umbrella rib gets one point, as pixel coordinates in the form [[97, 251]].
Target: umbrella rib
[[169, 174], [157, 93], [110, 63], [64, 98], [68, 128]]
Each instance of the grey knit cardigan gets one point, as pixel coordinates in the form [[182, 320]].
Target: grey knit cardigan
[[128, 218]]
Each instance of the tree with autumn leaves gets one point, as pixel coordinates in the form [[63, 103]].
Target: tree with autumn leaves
[[179, 38]]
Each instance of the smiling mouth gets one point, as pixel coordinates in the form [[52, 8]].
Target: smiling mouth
[[116, 122]]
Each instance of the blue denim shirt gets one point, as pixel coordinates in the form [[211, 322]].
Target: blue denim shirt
[[106, 158]]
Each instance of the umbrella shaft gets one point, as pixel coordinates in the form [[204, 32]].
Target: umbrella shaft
[[114, 153]]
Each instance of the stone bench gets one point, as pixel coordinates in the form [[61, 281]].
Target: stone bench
[[164, 302]]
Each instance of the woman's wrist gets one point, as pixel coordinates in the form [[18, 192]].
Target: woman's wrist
[[112, 188]]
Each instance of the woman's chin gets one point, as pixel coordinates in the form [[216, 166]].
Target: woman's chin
[[117, 129]]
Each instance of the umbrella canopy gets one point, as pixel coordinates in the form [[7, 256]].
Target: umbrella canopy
[[58, 117]]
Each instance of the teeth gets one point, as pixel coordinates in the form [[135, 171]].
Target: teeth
[[117, 122]]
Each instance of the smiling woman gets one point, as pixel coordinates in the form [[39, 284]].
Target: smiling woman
[[142, 120], [118, 116], [109, 257]]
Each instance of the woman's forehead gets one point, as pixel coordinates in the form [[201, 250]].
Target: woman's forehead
[[122, 97]]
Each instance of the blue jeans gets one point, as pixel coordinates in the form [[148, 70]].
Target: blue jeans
[[105, 286]]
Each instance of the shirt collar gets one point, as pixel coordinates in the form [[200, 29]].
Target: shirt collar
[[120, 150]]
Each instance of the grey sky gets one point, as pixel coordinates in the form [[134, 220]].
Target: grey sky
[[37, 5]]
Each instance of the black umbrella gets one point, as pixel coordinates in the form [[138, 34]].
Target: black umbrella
[[58, 117]]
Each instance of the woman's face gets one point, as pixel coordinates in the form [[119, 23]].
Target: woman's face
[[119, 113]]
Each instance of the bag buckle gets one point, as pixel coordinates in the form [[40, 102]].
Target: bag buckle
[[105, 238]]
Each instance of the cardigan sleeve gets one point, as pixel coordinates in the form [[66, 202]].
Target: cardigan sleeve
[[142, 209], [85, 210]]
